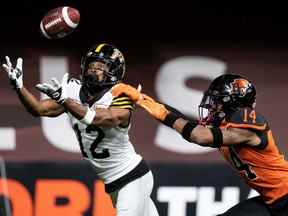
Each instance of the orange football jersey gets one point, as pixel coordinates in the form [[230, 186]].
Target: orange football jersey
[[263, 167]]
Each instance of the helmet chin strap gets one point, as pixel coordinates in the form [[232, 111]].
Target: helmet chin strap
[[92, 85], [97, 89]]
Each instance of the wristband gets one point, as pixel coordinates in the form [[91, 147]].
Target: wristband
[[89, 116], [170, 119]]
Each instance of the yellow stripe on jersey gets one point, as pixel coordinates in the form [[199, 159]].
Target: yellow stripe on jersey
[[121, 99], [99, 47], [122, 102], [130, 107], [117, 103]]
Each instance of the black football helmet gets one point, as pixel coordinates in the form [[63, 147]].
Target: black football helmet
[[114, 60], [226, 94]]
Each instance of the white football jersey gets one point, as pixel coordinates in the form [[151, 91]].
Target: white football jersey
[[108, 149]]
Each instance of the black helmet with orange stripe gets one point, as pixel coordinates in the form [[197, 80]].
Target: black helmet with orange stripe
[[226, 94], [113, 60]]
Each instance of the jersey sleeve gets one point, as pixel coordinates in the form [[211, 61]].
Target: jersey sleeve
[[247, 118], [123, 102]]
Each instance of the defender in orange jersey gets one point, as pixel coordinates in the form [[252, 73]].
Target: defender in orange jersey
[[242, 136]]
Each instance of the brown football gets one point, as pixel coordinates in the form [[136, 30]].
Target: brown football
[[59, 22]]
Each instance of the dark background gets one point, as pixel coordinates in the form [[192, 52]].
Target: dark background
[[137, 23]]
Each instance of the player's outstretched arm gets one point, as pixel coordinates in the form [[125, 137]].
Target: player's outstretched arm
[[35, 107], [104, 117], [190, 130], [109, 117], [194, 132]]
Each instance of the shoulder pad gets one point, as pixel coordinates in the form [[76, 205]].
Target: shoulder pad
[[246, 118], [122, 101]]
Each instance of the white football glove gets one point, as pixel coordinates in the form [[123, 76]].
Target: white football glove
[[56, 91], [15, 75]]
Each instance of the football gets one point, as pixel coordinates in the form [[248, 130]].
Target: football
[[59, 22]]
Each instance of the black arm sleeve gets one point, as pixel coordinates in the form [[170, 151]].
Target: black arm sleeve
[[217, 137]]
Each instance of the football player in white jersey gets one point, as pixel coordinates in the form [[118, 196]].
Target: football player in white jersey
[[101, 123]]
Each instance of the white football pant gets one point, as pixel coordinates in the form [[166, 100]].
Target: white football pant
[[134, 198]]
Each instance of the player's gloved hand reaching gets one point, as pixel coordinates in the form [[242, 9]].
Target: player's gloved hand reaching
[[55, 91], [157, 110], [121, 88], [15, 75]]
